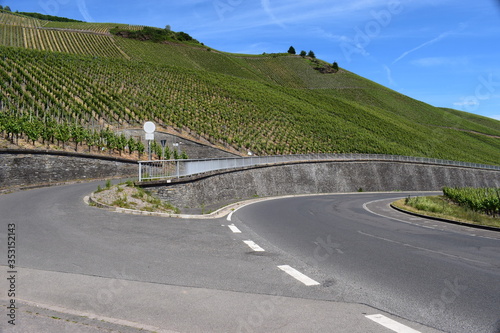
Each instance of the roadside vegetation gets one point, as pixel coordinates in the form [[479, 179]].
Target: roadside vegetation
[[127, 195], [470, 205]]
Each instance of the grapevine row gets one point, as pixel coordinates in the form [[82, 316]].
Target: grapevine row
[[101, 28], [71, 42], [484, 200], [14, 126], [254, 115], [18, 20], [11, 35]]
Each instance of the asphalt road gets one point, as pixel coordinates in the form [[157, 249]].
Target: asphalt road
[[198, 276], [447, 279]]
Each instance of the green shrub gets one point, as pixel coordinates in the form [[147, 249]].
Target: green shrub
[[426, 204], [485, 200]]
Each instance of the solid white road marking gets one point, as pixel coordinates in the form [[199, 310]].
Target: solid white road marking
[[298, 275], [234, 229], [365, 207], [391, 324], [254, 246], [423, 248], [230, 216], [422, 225]]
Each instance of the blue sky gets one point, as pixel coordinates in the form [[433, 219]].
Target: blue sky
[[443, 52]]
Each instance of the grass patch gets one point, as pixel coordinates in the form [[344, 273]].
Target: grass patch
[[156, 204], [126, 195], [139, 194], [440, 206], [122, 202]]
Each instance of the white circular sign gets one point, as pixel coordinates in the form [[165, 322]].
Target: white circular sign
[[149, 127]]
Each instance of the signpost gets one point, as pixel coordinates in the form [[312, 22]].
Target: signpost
[[149, 128], [163, 144]]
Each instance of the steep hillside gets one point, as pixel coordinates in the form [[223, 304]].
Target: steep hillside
[[79, 73]]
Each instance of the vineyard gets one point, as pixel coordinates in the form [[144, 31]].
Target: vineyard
[[12, 35], [53, 76], [484, 200], [68, 37], [101, 28], [71, 42], [19, 20]]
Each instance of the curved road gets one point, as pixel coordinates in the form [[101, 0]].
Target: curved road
[[95, 261], [448, 279]]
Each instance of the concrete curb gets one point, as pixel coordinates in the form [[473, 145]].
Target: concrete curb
[[91, 200], [477, 226], [221, 212]]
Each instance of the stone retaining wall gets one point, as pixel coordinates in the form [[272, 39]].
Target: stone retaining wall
[[35, 167], [217, 188]]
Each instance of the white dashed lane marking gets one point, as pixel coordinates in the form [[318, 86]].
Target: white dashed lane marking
[[234, 229], [298, 275], [391, 324], [254, 246]]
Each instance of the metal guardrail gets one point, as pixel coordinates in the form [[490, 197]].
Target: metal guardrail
[[165, 169]]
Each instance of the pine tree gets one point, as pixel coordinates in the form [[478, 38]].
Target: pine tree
[[291, 50]]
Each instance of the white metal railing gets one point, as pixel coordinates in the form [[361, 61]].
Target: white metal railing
[[165, 169]]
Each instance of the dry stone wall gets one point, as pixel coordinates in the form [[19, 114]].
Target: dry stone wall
[[218, 188], [34, 167]]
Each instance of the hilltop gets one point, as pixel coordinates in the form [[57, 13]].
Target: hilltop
[[84, 74]]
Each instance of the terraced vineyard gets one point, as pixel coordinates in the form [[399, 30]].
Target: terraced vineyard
[[268, 104], [19, 20], [101, 28], [71, 42], [69, 37], [12, 35]]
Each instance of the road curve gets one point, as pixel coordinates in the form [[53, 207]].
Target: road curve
[[442, 279], [446, 279]]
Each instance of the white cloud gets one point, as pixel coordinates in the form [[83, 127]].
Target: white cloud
[[432, 41], [440, 61], [464, 101], [247, 15], [389, 75], [328, 35], [256, 48], [266, 5], [82, 7]]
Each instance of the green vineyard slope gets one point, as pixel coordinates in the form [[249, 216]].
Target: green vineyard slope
[[78, 73]]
